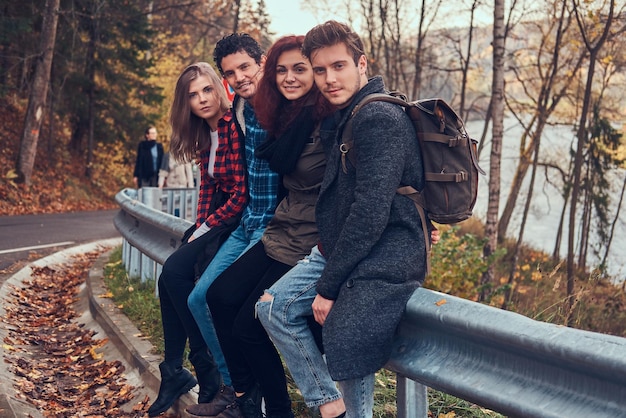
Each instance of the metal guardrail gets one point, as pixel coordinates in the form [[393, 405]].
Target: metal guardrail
[[508, 362], [150, 235], [177, 201], [498, 359]]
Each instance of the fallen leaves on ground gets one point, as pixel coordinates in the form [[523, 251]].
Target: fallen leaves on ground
[[58, 365]]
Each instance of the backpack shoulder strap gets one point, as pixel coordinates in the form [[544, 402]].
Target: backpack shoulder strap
[[418, 200], [347, 141]]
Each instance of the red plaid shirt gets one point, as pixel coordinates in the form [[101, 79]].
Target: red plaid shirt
[[228, 175]]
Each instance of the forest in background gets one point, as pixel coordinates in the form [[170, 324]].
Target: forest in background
[[113, 65]]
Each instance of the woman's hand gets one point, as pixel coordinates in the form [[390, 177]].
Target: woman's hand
[[434, 236]]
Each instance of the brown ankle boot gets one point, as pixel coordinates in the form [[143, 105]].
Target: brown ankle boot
[[232, 411], [224, 398]]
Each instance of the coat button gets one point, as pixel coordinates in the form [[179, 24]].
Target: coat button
[[350, 283]]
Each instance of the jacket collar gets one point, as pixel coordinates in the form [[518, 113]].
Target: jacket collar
[[238, 105], [374, 85]]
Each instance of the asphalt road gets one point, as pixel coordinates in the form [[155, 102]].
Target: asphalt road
[[27, 237]]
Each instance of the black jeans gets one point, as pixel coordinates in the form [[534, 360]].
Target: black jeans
[[176, 281], [250, 354]]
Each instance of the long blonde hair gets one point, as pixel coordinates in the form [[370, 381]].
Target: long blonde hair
[[189, 132]]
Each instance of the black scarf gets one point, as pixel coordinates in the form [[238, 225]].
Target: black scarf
[[283, 152]]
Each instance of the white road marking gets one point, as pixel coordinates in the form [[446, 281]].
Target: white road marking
[[36, 247]]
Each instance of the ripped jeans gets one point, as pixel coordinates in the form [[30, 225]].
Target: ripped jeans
[[285, 320]]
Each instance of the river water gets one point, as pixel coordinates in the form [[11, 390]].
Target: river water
[[547, 202]]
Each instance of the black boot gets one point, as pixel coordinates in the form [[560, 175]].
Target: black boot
[[174, 382], [250, 402], [209, 378]]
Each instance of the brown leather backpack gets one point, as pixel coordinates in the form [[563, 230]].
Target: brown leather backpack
[[449, 156]]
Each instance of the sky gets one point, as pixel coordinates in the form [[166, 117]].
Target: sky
[[289, 19]]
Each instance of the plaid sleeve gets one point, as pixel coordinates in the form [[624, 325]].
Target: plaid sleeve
[[205, 192], [229, 172]]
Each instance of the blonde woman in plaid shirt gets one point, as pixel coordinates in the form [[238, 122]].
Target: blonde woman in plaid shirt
[[203, 128]]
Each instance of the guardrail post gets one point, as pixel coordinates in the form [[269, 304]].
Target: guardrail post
[[147, 268], [180, 202], [152, 197], [169, 202], [412, 398], [191, 205], [125, 254], [133, 268]]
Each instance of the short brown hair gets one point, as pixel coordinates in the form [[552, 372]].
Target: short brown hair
[[332, 33]]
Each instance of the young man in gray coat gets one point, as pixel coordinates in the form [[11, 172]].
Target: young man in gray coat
[[371, 255]]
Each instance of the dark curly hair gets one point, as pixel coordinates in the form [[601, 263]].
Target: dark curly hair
[[233, 43]]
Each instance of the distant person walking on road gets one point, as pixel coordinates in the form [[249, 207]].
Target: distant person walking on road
[[203, 127], [174, 173], [149, 159]]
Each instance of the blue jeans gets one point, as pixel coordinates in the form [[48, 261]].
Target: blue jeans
[[285, 320], [237, 244], [358, 396]]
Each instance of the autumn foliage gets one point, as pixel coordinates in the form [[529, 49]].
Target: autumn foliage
[[59, 183]]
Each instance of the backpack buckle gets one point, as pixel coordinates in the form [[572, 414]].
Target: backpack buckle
[[457, 141], [344, 148]]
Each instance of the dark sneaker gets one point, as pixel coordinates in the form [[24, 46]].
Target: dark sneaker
[[224, 398]]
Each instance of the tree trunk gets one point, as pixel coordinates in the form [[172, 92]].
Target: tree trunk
[[520, 237], [491, 226], [582, 138], [483, 135], [615, 220], [91, 76], [418, 53], [585, 220], [50, 134], [38, 94], [556, 253], [546, 103], [465, 62], [516, 186], [237, 9]]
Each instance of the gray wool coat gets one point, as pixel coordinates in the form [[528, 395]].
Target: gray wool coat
[[370, 235]]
